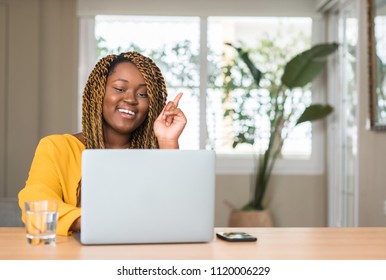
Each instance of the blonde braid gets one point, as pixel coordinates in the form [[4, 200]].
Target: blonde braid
[[94, 91]]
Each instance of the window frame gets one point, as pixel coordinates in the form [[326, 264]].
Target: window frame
[[226, 163]]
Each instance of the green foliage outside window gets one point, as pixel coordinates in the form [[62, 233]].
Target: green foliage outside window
[[179, 63], [250, 108]]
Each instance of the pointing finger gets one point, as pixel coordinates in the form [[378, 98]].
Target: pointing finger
[[177, 99]]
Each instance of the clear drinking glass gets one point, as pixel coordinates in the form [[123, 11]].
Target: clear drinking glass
[[41, 218]]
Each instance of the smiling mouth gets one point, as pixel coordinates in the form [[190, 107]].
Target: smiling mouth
[[125, 111]]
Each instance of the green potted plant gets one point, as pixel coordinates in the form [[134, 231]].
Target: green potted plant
[[280, 109]]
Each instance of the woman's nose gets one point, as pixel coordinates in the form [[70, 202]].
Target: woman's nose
[[130, 97]]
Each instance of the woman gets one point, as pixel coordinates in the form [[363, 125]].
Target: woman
[[123, 108]]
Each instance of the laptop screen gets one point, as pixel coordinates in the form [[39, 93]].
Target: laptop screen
[[147, 196]]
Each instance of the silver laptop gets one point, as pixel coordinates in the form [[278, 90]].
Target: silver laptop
[[147, 196]]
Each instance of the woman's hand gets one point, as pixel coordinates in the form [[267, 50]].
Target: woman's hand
[[170, 124], [75, 227]]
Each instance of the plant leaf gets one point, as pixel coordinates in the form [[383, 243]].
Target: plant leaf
[[256, 73], [314, 112], [304, 67]]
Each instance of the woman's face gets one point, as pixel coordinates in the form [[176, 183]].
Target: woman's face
[[126, 104]]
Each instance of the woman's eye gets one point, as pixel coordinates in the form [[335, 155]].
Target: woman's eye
[[118, 89], [142, 95]]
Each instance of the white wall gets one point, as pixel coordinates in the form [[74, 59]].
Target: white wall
[[372, 147], [199, 7], [38, 73], [294, 201], [21, 96], [3, 53]]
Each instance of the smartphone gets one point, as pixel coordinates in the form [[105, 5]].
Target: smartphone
[[236, 236]]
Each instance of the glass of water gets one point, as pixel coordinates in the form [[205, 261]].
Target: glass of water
[[41, 218]]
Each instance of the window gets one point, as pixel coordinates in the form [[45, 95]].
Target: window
[[275, 41], [192, 54], [343, 164]]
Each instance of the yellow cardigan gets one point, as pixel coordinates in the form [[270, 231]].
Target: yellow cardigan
[[54, 175]]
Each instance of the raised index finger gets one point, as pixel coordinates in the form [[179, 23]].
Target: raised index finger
[[177, 99]]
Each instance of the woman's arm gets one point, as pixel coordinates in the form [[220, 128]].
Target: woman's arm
[[50, 178]]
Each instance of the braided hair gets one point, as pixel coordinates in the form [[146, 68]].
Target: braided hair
[[92, 117]]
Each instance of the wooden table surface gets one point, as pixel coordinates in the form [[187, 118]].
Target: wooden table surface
[[272, 244]]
